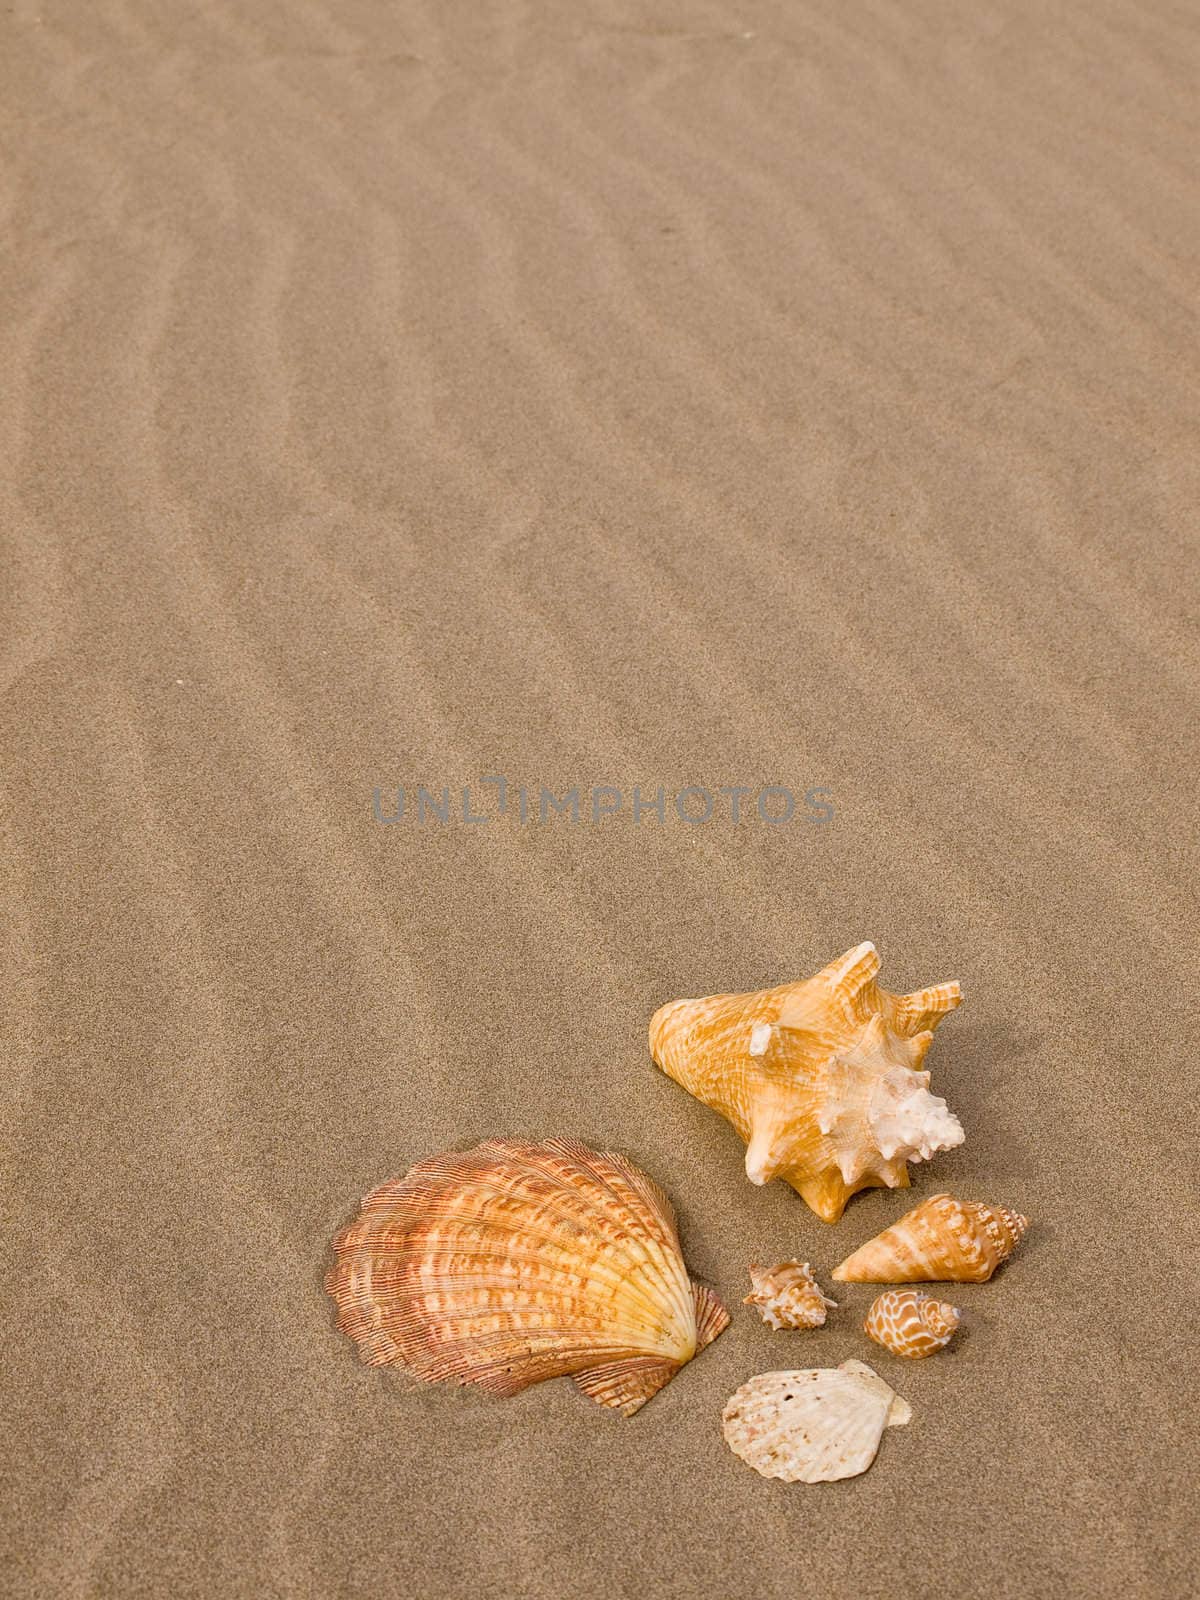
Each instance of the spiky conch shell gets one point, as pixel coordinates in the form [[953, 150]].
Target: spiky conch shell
[[821, 1078], [812, 1426], [788, 1296], [515, 1262], [941, 1240], [911, 1324]]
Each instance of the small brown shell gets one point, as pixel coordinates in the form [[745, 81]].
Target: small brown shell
[[788, 1296], [911, 1324], [515, 1262]]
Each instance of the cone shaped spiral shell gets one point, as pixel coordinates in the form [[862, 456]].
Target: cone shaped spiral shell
[[515, 1262], [911, 1324], [788, 1296], [821, 1078], [812, 1426], [942, 1239]]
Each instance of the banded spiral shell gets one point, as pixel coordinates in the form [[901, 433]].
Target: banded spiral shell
[[942, 1239], [821, 1078], [516, 1262], [788, 1296], [911, 1324], [812, 1426]]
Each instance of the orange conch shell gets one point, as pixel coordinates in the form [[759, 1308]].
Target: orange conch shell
[[515, 1262], [911, 1324], [821, 1078], [788, 1296], [941, 1239]]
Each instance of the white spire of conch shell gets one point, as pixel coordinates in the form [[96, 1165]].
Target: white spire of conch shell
[[909, 1122], [822, 1078]]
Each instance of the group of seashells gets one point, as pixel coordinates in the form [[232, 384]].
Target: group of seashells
[[516, 1261]]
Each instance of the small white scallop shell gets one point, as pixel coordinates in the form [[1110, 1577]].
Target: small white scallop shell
[[812, 1426]]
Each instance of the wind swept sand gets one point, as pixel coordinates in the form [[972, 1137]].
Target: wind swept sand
[[627, 392]]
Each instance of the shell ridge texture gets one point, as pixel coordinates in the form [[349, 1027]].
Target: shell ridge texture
[[515, 1262]]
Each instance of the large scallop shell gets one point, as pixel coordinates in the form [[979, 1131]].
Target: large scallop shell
[[812, 1426], [515, 1262], [788, 1296], [942, 1239], [820, 1077], [911, 1324]]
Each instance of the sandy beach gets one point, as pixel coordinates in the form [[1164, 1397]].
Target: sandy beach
[[775, 396]]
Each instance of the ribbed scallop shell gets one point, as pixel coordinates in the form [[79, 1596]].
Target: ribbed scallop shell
[[812, 1426], [821, 1078], [911, 1324], [788, 1296], [942, 1239], [515, 1262]]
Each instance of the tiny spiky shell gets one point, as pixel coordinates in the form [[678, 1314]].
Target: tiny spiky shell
[[820, 1078], [942, 1239], [516, 1262], [788, 1296], [911, 1324], [812, 1426]]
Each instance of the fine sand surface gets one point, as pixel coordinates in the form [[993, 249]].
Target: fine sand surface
[[655, 392]]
